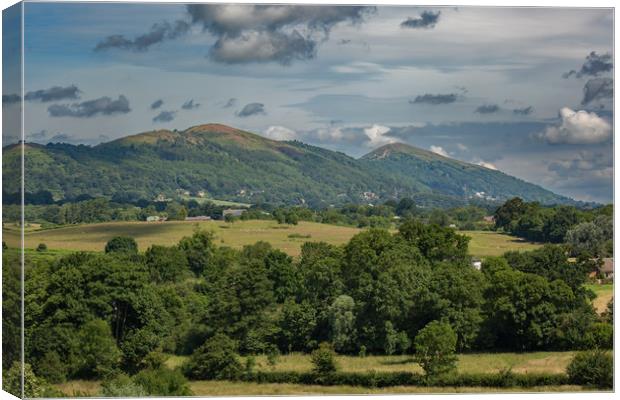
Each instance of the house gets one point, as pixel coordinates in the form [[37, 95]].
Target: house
[[161, 198], [198, 218], [607, 269], [201, 193], [476, 263], [153, 218], [489, 218], [235, 212]]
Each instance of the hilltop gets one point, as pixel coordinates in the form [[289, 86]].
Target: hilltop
[[233, 164]]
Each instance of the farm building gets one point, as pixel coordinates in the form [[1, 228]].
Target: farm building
[[235, 212], [476, 263], [198, 218], [607, 270]]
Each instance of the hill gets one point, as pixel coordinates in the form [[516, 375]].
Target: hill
[[232, 164]]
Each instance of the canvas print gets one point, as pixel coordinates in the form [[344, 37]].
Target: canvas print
[[255, 199]]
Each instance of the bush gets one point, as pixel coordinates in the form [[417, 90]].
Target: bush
[[163, 382], [323, 359], [215, 359], [96, 351], [121, 244], [435, 345], [42, 247], [12, 381], [52, 368], [592, 368], [602, 335], [121, 386]]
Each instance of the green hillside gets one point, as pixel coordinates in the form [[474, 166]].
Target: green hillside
[[231, 164]]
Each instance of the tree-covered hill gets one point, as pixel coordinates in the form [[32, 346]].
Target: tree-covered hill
[[232, 164]]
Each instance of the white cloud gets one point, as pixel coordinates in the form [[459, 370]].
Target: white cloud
[[377, 135], [486, 165], [439, 150], [461, 147], [280, 133], [578, 127]]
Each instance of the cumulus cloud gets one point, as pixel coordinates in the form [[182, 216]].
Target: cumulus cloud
[[598, 89], [165, 116], [10, 99], [252, 109], [158, 33], [280, 133], [439, 150], [101, 106], [487, 109], [426, 20], [595, 65], [190, 105], [247, 33], [230, 103], [54, 93], [434, 99], [578, 127], [378, 135], [156, 104], [523, 111]]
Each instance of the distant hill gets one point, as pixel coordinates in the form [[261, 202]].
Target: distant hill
[[232, 164]]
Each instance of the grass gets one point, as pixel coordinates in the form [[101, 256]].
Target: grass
[[489, 243], [289, 238], [229, 388], [604, 293], [535, 362]]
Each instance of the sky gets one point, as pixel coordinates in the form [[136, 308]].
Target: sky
[[527, 91]]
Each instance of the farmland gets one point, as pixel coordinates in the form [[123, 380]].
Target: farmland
[[289, 238]]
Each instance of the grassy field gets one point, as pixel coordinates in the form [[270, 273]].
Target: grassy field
[[536, 362], [488, 243], [228, 388], [289, 238], [604, 293]]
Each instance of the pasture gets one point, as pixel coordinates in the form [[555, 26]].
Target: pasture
[[288, 238]]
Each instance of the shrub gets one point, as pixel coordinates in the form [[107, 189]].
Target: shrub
[[121, 386], [163, 382], [602, 335], [52, 368], [215, 359], [96, 351], [121, 244], [12, 381], [42, 247], [435, 345], [323, 359], [592, 368]]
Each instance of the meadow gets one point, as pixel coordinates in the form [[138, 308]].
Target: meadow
[[535, 362], [288, 238], [604, 293]]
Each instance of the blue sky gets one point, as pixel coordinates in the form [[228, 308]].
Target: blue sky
[[491, 86]]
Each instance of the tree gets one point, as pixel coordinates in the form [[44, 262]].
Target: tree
[[508, 212], [434, 242], [215, 359], [199, 249], [121, 244], [42, 247], [585, 237], [166, 264], [12, 382], [435, 347], [96, 353], [297, 324], [342, 323], [592, 368], [406, 208], [323, 359]]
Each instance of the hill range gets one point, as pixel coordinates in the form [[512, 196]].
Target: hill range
[[232, 164]]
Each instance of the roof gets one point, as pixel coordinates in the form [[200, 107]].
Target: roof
[[608, 265]]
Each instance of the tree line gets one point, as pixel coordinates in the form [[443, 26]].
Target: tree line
[[91, 314]]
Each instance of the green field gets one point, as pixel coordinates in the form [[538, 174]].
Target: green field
[[537, 362], [289, 238], [81, 388], [489, 243]]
